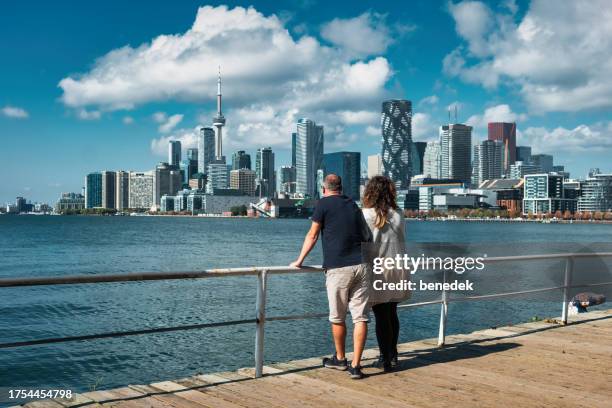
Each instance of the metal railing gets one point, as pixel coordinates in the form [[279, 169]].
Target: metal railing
[[262, 274]]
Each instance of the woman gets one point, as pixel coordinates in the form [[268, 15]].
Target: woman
[[386, 222]]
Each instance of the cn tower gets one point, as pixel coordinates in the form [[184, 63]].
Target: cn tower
[[219, 122]]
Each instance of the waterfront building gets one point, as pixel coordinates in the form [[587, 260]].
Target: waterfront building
[[264, 167], [166, 203], [122, 190], [206, 148], [217, 176], [506, 134], [509, 193], [596, 193], [455, 152], [431, 160], [488, 160], [347, 165], [93, 190], [20, 204], [523, 154], [543, 161], [70, 202], [308, 156], [174, 153], [109, 189], [167, 181], [241, 160], [397, 147], [141, 190], [287, 180], [543, 193], [374, 165], [520, 169], [218, 204], [243, 180]]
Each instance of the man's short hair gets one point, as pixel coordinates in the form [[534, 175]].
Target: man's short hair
[[333, 182]]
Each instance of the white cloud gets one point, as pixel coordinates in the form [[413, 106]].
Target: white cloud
[[497, 113], [364, 35], [15, 112], [127, 120], [559, 58], [429, 100], [160, 117], [187, 137], [359, 117], [170, 123], [266, 71], [373, 131], [583, 138], [424, 129], [85, 114]]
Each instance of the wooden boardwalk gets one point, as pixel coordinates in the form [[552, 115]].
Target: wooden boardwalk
[[540, 364]]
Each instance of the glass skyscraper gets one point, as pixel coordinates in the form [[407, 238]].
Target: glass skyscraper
[[241, 160], [308, 156], [456, 152], [431, 160], [264, 167], [397, 148], [347, 165], [93, 190], [488, 160], [109, 189], [206, 148], [174, 153], [506, 134]]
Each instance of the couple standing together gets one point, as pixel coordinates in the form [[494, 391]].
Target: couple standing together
[[351, 239]]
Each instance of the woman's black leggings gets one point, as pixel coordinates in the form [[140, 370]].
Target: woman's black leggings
[[387, 329]]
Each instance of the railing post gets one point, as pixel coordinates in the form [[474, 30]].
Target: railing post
[[443, 314], [569, 266], [261, 320]]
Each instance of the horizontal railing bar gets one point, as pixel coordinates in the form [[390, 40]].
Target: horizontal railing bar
[[123, 333], [431, 302], [546, 256], [297, 317], [150, 276]]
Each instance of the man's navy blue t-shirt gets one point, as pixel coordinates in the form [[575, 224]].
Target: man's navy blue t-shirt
[[343, 229]]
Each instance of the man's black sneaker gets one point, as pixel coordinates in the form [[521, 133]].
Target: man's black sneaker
[[335, 363], [382, 364], [355, 372], [394, 362]]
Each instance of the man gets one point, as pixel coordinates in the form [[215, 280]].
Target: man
[[343, 229]]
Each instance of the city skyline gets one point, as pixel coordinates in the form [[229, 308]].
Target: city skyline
[[52, 117]]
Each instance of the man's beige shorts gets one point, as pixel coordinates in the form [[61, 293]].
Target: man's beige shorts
[[348, 289]]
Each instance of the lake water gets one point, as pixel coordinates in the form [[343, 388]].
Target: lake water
[[48, 246]]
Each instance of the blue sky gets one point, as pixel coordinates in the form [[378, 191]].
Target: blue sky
[[88, 86]]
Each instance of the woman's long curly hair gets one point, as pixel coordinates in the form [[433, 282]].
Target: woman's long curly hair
[[380, 194]]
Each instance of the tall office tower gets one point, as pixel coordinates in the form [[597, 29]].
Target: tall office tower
[[219, 122], [308, 157], [523, 154], [374, 165], [596, 193], [93, 190], [141, 190], [544, 161], [287, 180], [243, 180], [109, 189], [431, 160], [167, 181], [347, 165], [20, 204], [190, 165], [293, 145], [264, 167], [241, 160], [419, 148], [122, 187], [206, 148], [488, 159], [217, 176], [397, 148], [505, 133], [456, 152], [174, 153]]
